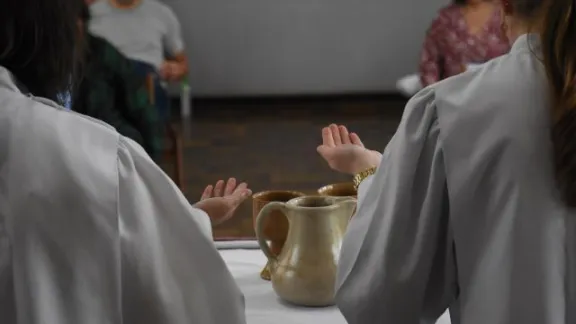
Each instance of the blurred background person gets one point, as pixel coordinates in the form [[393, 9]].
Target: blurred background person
[[147, 32], [112, 91], [465, 33]]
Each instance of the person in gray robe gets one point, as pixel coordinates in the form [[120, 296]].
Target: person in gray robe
[[92, 231], [471, 205]]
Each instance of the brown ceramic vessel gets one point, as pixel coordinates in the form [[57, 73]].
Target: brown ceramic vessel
[[344, 189]]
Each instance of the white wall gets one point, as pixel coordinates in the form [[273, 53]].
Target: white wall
[[278, 47]]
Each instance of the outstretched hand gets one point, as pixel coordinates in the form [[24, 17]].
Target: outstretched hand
[[221, 200], [344, 151]]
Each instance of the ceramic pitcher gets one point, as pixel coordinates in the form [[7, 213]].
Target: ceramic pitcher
[[304, 273]]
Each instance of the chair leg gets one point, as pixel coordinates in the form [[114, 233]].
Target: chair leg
[[179, 163]]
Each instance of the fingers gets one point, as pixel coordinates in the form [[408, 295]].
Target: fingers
[[218, 189], [335, 134], [327, 138], [207, 192], [222, 189], [344, 135], [241, 193], [241, 187], [230, 186], [356, 139]]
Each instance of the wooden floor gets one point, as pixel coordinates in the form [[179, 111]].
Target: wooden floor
[[271, 144]]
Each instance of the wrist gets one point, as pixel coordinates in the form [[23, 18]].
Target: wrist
[[362, 175], [198, 205], [370, 160], [375, 158], [212, 209]]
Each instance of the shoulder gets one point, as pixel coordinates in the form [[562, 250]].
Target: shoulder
[[65, 152], [109, 57], [494, 95], [508, 73], [97, 43], [420, 111], [445, 16], [65, 130], [106, 50]]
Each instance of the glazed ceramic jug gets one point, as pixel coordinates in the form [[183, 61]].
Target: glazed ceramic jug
[[304, 273]]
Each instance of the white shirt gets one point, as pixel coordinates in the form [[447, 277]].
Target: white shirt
[[463, 212], [143, 33], [93, 232]]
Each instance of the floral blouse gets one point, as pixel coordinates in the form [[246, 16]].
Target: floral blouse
[[449, 47]]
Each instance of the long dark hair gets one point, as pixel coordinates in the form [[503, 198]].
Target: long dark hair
[[39, 43], [558, 40]]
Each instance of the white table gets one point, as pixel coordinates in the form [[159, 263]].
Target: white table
[[262, 304]]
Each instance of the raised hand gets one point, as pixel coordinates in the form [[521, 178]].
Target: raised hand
[[221, 200], [344, 151]]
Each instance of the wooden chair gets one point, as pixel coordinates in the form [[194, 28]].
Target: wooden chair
[[174, 152]]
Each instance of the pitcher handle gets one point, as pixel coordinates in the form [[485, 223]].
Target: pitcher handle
[[264, 213]]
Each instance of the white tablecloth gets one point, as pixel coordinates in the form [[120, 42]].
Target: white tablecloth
[[262, 304]]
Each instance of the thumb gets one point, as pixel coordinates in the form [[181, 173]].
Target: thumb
[[323, 150]]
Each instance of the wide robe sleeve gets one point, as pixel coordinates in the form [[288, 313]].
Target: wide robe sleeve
[[171, 271], [397, 261]]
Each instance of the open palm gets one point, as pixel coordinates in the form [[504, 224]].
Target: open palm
[[221, 201], [344, 151]]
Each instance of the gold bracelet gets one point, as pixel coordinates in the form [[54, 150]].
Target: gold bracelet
[[359, 177]]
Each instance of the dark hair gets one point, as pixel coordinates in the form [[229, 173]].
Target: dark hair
[[558, 42], [38, 43], [85, 12]]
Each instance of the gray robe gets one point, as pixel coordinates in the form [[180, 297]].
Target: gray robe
[[463, 212], [93, 232]]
